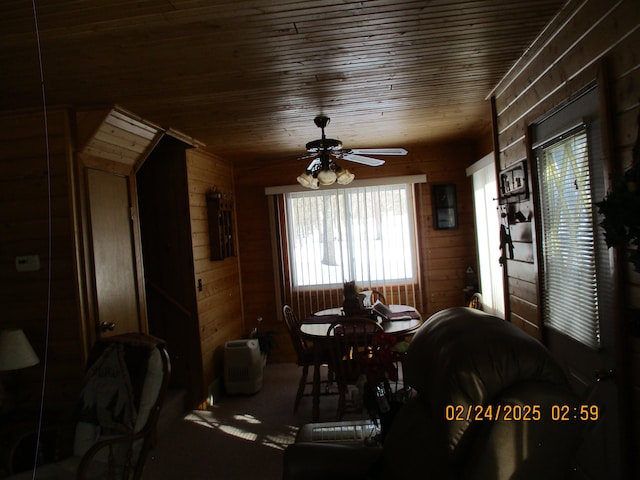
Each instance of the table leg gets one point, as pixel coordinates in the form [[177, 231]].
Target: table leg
[[316, 382]]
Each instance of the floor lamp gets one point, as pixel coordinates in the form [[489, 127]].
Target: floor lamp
[[15, 353]]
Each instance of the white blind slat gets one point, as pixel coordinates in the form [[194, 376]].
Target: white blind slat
[[570, 291]]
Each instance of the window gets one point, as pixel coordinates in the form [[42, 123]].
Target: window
[[570, 287], [485, 192], [363, 234]]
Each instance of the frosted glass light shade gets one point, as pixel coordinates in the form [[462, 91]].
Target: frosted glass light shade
[[305, 179], [345, 177], [326, 177], [16, 351]]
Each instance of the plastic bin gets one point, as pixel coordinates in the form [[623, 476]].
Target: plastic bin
[[243, 366]]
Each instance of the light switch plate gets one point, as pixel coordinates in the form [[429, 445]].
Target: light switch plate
[[28, 263]]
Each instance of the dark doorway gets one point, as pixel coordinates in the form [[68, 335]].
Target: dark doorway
[[165, 229]]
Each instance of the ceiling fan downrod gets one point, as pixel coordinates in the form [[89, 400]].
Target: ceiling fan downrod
[[321, 121], [324, 144]]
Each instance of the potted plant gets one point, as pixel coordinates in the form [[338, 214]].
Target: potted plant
[[621, 209], [621, 223], [266, 339]]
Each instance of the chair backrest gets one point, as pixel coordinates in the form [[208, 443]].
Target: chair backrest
[[349, 341], [369, 297], [124, 387], [377, 295], [293, 327]]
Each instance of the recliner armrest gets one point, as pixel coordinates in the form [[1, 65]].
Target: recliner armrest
[[532, 447], [320, 461]]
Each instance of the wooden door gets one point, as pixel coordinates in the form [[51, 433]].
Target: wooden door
[[113, 252]]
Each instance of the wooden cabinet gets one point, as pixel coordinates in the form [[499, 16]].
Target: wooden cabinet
[[220, 216], [445, 207]]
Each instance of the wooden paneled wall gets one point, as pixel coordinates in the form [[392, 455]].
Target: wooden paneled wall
[[235, 291], [194, 302], [27, 299], [567, 57], [217, 283], [444, 254], [24, 230], [589, 39]]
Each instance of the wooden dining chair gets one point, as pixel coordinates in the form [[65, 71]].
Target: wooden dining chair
[[377, 295], [305, 354], [347, 340]]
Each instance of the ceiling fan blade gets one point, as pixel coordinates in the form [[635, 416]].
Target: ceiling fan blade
[[314, 162], [379, 151], [307, 156], [352, 157]]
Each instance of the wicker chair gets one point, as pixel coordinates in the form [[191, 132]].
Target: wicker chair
[[124, 388]]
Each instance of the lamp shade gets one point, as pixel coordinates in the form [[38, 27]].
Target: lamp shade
[[15, 350]]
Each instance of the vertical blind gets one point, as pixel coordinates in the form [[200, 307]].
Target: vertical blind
[[570, 289], [363, 234]]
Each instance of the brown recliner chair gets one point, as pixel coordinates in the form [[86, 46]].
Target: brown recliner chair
[[463, 360]]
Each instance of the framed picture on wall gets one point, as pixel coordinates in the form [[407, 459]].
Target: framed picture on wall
[[445, 207], [513, 183]]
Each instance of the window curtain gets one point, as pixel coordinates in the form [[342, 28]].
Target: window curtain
[[363, 234]]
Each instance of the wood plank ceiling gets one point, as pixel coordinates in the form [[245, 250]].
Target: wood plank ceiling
[[247, 78]]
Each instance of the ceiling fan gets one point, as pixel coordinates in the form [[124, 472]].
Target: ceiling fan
[[324, 171]]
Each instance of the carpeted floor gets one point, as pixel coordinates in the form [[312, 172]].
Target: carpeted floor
[[240, 437]]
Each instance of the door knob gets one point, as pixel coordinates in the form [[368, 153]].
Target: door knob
[[604, 374], [107, 326]]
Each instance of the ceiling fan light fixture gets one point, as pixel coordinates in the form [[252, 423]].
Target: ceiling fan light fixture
[[324, 171], [326, 176], [305, 179], [344, 176]]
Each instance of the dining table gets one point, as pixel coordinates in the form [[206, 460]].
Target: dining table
[[400, 321]]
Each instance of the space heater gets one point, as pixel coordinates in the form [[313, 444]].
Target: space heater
[[243, 366]]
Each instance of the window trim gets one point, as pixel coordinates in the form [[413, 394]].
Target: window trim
[[582, 108], [587, 334]]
